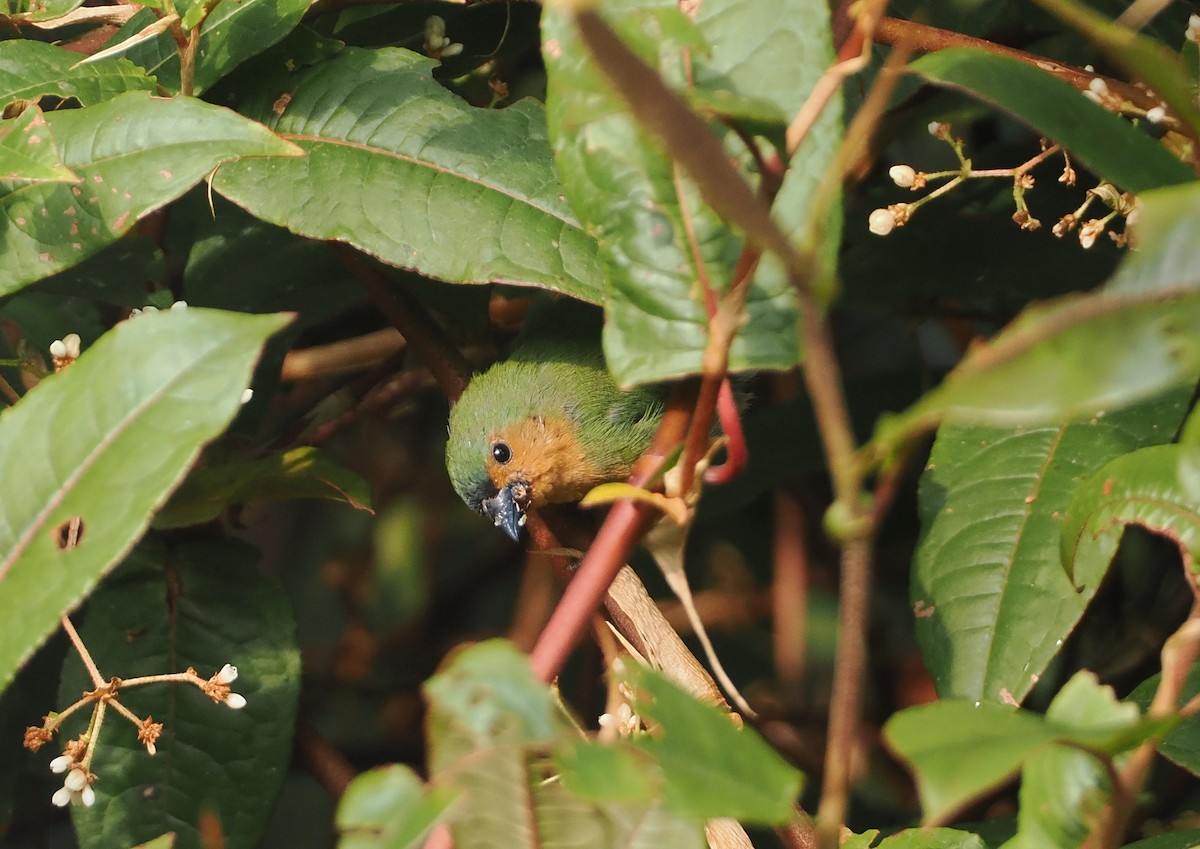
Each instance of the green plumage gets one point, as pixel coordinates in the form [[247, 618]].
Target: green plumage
[[556, 371]]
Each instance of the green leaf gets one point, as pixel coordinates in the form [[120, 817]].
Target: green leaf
[[163, 841], [388, 808], [623, 186], [45, 10], [303, 472], [396, 168], [1108, 145], [117, 274], [203, 604], [1182, 839], [1167, 254], [1181, 745], [1152, 62], [992, 601], [1141, 488], [931, 838], [134, 153], [28, 152], [1089, 713], [487, 696], [1063, 790], [607, 773], [101, 425], [232, 33], [959, 750], [710, 767], [30, 70]]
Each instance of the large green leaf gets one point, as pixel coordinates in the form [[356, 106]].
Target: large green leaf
[[992, 599], [30, 70], [134, 153], [105, 441], [404, 170], [201, 605], [234, 31], [623, 185], [1105, 143]]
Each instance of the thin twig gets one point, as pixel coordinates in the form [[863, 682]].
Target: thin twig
[[84, 654]]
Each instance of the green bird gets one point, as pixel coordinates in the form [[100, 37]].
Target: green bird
[[547, 424]]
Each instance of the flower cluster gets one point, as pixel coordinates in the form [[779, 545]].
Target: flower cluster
[[149, 308], [76, 759], [65, 351]]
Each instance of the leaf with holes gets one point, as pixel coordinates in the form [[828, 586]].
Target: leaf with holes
[[202, 604], [30, 70], [133, 153], [992, 599], [104, 442], [395, 168]]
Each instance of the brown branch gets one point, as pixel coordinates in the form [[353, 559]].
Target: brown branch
[[414, 322], [344, 355], [324, 762]]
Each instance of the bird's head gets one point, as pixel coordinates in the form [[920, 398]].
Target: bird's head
[[514, 446]]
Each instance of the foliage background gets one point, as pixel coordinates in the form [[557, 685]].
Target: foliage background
[[259, 158]]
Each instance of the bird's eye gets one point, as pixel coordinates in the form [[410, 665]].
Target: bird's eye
[[501, 453]]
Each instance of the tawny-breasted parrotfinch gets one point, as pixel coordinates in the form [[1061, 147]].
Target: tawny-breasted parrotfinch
[[547, 424]]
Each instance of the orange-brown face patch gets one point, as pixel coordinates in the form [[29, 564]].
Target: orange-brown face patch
[[548, 455]]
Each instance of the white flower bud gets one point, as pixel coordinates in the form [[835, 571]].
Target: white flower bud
[[1155, 114], [61, 764], [1192, 33], [903, 175], [881, 222], [247, 395], [88, 796], [227, 675], [179, 305], [61, 797], [58, 349], [76, 780], [235, 701]]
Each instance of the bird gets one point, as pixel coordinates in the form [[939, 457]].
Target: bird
[[548, 423]]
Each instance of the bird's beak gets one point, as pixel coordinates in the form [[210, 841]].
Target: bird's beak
[[507, 508]]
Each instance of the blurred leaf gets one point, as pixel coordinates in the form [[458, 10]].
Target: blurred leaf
[[28, 152], [623, 186], [1182, 744], [933, 738], [1063, 790], [710, 767], [931, 838], [164, 841], [303, 472], [203, 604], [134, 153], [1182, 839], [388, 808], [428, 171], [1141, 488], [490, 725], [96, 427], [30, 70], [232, 33], [1107, 144], [486, 696], [1167, 254], [1148, 60], [594, 770], [44, 10], [992, 600]]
